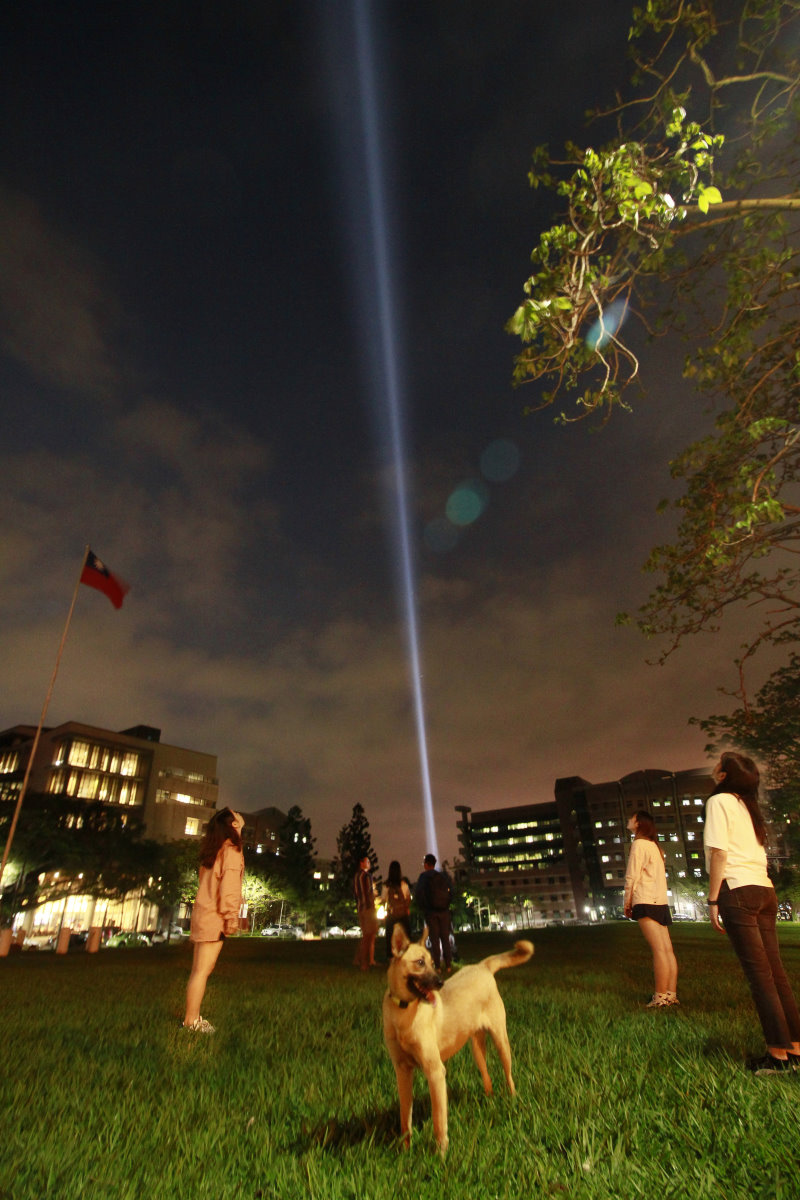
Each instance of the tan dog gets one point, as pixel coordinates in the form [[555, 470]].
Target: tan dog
[[426, 1022]]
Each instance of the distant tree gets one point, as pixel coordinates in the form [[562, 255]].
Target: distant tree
[[94, 849], [176, 881], [297, 854], [353, 843], [688, 218], [262, 891]]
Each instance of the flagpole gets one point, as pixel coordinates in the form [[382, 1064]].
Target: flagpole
[[38, 734]]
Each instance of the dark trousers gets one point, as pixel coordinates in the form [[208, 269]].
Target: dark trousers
[[749, 914], [389, 929], [439, 927]]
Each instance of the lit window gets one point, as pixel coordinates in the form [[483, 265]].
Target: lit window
[[78, 754], [129, 764], [192, 827]]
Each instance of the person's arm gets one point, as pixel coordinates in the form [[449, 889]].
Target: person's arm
[[631, 875], [230, 888], [716, 877]]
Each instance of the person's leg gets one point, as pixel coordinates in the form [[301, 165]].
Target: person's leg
[[434, 932], [388, 929], [372, 933], [669, 955], [362, 952], [740, 909], [447, 953], [665, 967], [204, 960], [767, 919]]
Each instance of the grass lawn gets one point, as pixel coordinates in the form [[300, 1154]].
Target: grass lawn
[[104, 1096]]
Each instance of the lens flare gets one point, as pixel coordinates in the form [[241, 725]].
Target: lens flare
[[467, 502], [606, 326], [500, 460]]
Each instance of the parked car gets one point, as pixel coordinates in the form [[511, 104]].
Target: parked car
[[284, 931], [39, 941], [157, 937], [126, 938], [333, 931], [354, 931]]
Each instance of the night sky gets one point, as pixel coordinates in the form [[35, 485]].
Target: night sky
[[189, 326]]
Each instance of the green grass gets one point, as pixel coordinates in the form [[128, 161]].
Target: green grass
[[104, 1096]]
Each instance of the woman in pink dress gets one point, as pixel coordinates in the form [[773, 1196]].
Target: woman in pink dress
[[215, 914]]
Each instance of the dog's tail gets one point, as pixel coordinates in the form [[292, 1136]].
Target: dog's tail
[[512, 958]]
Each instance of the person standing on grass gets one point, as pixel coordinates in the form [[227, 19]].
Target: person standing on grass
[[433, 893], [743, 904], [367, 916], [215, 914], [645, 900], [396, 896]]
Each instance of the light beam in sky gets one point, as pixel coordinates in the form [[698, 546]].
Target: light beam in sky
[[388, 397]]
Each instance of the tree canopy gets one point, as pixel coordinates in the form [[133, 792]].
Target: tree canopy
[[687, 219], [353, 842], [296, 855]]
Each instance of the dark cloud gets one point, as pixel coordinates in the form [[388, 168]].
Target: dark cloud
[[184, 371]]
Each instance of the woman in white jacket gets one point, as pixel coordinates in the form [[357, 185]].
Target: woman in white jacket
[[645, 900]]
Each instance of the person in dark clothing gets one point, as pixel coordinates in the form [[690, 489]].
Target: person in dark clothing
[[432, 893]]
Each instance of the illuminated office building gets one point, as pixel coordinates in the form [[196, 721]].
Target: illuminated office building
[[566, 859]]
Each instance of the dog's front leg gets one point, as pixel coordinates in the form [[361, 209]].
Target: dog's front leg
[[436, 1077], [404, 1073]]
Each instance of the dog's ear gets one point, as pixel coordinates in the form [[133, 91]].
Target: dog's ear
[[399, 941]]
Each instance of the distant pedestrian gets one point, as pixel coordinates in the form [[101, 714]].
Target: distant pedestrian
[[364, 890], [396, 896], [743, 904], [215, 913], [433, 893], [645, 899]]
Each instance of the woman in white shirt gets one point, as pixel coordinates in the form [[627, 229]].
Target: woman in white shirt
[[743, 904], [645, 899]]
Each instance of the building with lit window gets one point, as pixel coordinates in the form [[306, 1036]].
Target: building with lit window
[[514, 858], [594, 817], [173, 790], [566, 859]]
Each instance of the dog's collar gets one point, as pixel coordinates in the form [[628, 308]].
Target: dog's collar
[[399, 1003]]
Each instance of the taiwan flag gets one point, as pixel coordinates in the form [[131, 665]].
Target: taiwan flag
[[97, 575]]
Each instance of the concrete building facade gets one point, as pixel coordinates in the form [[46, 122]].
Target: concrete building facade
[[173, 790]]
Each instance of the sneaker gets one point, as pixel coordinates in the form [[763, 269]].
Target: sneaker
[[201, 1025], [767, 1064], [659, 1000]]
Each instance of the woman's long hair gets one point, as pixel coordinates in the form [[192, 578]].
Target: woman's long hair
[[219, 830], [742, 779], [646, 827], [395, 877]]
